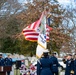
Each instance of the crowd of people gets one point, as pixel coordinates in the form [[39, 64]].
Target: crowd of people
[[46, 65], [6, 62], [49, 65], [19, 65]]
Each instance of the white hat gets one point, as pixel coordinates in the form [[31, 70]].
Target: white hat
[[45, 51]]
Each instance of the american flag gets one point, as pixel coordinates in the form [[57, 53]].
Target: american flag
[[32, 31]]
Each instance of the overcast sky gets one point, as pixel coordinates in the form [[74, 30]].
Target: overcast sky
[[62, 2]]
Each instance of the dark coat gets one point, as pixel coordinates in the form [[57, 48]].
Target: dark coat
[[55, 64], [44, 66], [75, 67], [69, 66], [8, 62], [1, 62]]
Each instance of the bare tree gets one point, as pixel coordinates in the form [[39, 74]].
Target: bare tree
[[69, 26]]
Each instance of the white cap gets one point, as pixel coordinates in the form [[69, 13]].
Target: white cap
[[0, 54], [45, 51]]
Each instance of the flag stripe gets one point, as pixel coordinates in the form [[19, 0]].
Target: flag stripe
[[31, 33], [31, 36], [27, 30], [32, 39], [34, 25]]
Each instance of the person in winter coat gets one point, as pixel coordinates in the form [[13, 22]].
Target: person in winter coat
[[44, 64], [69, 65], [55, 64], [74, 64], [1, 61], [8, 62]]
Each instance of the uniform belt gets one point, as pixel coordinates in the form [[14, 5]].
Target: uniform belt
[[54, 64]]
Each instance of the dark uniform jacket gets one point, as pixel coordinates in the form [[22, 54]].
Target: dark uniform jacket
[[69, 67], [55, 64], [44, 66], [8, 62], [75, 67], [1, 62]]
